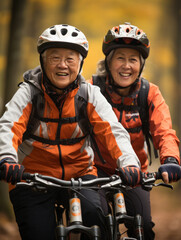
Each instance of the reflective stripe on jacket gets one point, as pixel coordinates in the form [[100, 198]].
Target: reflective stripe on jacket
[[62, 161]]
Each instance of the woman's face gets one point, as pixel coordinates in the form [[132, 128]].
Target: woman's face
[[61, 66], [125, 66]]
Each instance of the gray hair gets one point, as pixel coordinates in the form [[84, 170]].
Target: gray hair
[[101, 67]]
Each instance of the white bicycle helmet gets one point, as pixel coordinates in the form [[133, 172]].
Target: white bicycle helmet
[[63, 36]]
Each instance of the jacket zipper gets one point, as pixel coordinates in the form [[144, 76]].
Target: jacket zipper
[[121, 112], [58, 137]]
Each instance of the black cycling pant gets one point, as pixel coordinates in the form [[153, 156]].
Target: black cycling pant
[[35, 212], [137, 201]]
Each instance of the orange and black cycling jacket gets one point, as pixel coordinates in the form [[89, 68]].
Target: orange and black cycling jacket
[[58, 160], [164, 137]]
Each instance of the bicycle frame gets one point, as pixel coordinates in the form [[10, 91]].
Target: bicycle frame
[[113, 221], [119, 216], [75, 221]]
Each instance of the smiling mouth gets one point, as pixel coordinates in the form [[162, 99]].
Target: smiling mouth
[[62, 74], [125, 74]]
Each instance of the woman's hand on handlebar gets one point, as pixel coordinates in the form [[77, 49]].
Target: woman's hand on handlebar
[[131, 175], [170, 172], [11, 172]]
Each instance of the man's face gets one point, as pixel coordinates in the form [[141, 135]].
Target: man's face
[[61, 66]]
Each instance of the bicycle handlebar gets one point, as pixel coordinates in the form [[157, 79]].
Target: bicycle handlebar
[[147, 183], [114, 180]]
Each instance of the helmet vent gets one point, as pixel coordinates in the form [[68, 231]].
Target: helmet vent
[[127, 30], [74, 34], [53, 32], [63, 31]]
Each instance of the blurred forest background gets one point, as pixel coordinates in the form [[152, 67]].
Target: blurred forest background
[[21, 23]]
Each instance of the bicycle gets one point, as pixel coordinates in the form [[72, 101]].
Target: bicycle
[[74, 223], [119, 212]]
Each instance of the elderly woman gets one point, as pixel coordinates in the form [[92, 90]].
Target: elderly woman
[[40, 132], [141, 109]]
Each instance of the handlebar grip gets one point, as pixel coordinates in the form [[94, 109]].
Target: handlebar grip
[[27, 176]]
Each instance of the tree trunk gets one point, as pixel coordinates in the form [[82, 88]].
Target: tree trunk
[[178, 66], [13, 69], [16, 32]]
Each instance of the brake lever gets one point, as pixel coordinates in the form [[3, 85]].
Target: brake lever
[[149, 183], [112, 184], [33, 185], [25, 184], [37, 184], [163, 185]]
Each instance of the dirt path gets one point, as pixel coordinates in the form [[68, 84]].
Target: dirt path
[[166, 213], [8, 229]]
